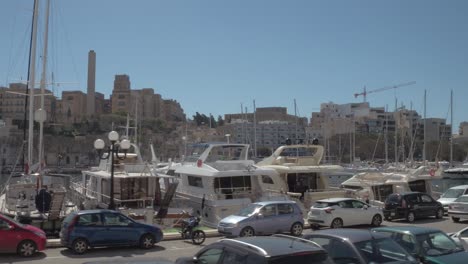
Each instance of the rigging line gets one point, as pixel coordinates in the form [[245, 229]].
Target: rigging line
[[19, 53]]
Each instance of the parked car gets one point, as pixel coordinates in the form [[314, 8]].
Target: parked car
[[429, 245], [461, 237], [276, 249], [451, 195], [92, 228], [15, 237], [359, 246], [458, 209], [339, 212], [264, 218], [411, 205]]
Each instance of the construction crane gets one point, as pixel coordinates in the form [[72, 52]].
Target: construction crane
[[365, 92]]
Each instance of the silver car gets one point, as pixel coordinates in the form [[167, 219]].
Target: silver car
[[264, 218], [458, 209]]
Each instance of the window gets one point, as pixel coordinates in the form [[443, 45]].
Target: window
[[4, 225], [412, 199], [233, 258], [357, 204], [195, 181], [285, 209], [121, 96], [426, 199], [116, 220], [211, 256], [268, 210], [89, 220], [345, 204], [267, 179]]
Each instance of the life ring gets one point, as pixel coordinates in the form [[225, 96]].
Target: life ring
[[432, 172]]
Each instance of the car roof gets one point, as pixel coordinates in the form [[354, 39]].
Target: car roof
[[459, 187], [350, 234], [415, 230], [405, 193], [272, 246], [274, 202], [335, 200], [94, 211]]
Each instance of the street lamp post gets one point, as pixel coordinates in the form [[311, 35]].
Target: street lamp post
[[112, 150]]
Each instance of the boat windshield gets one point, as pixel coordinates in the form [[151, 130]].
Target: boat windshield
[[195, 152], [298, 152], [453, 193], [249, 210]]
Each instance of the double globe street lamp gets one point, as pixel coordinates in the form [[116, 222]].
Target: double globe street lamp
[[112, 152]]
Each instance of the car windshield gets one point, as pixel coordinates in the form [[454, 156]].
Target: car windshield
[[436, 244], [453, 193], [249, 210], [383, 250], [12, 220]]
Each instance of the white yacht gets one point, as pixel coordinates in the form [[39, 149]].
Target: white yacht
[[135, 184], [377, 186], [300, 174], [218, 179]]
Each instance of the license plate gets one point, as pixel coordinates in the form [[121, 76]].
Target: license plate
[[392, 213], [316, 212]]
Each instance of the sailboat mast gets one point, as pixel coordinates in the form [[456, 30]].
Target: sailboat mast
[[255, 128], [31, 81], [451, 128], [43, 84], [424, 136], [386, 134], [396, 131]]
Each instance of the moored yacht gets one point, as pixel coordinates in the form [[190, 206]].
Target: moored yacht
[[300, 175], [136, 187], [218, 179], [375, 187]]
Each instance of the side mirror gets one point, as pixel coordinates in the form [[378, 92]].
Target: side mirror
[[259, 215], [194, 260], [365, 207]]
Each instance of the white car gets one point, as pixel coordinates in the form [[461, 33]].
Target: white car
[[458, 209], [339, 212], [461, 237], [451, 195]]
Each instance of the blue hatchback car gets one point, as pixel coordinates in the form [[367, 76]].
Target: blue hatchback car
[[96, 228]]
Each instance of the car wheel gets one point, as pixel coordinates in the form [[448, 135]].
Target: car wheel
[[146, 241], [27, 248], [376, 220], [410, 217], [246, 232], [80, 246], [439, 213], [455, 219], [337, 223], [296, 229]]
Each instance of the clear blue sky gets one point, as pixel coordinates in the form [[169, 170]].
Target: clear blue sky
[[211, 56]]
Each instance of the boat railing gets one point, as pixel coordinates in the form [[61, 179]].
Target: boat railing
[[94, 195]]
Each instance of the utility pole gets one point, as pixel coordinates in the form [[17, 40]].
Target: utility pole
[[396, 131], [386, 134]]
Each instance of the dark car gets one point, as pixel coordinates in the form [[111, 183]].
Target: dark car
[[97, 228], [276, 249], [411, 205], [359, 246], [429, 245]]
